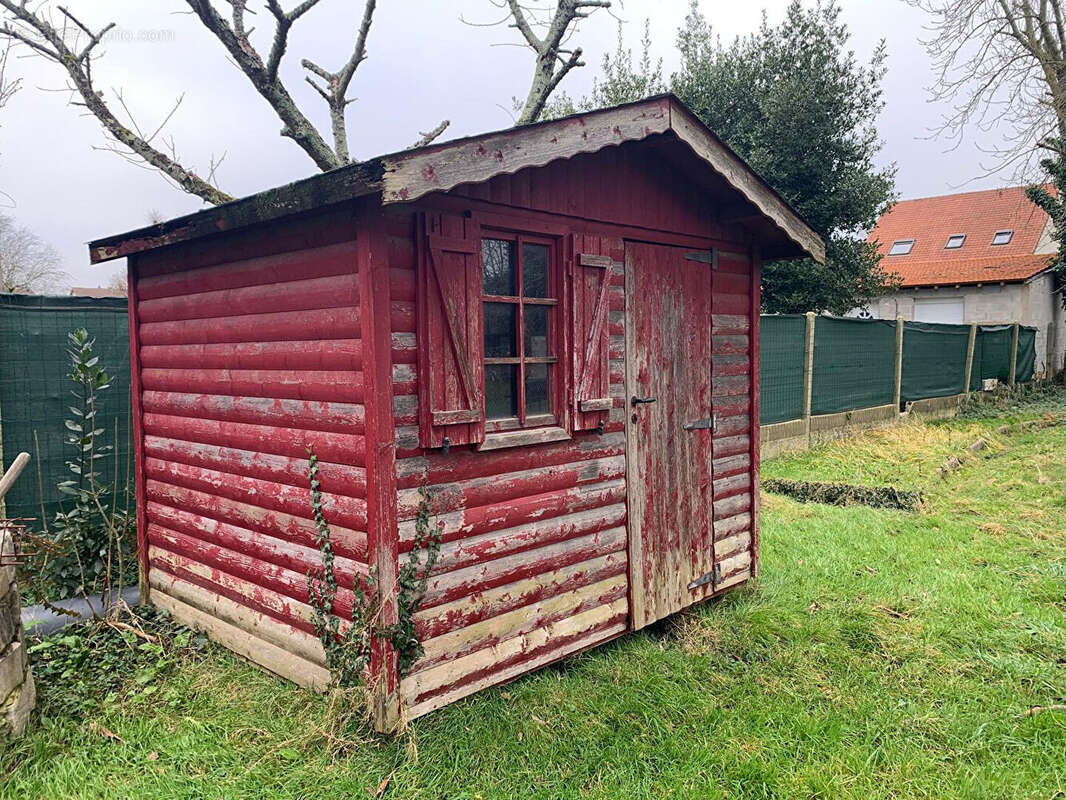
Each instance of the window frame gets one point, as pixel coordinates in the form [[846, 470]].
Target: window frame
[[907, 252], [1009, 233], [556, 333], [962, 240]]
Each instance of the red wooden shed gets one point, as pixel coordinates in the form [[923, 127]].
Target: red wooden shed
[[554, 328]]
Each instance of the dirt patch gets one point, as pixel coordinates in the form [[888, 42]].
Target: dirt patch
[[845, 494]]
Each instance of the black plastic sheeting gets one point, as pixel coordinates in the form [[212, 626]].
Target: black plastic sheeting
[[35, 391]]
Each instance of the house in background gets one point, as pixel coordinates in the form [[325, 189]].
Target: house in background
[[97, 291], [974, 257]]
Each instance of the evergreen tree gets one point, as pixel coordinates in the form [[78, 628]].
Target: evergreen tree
[[794, 102]]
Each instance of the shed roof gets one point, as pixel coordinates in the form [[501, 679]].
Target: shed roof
[[409, 175], [978, 216]]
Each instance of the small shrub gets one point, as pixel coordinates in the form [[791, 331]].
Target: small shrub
[[90, 546], [96, 663]]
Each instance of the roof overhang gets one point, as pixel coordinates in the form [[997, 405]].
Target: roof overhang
[[406, 176]]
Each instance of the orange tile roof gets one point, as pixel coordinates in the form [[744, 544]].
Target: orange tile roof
[[931, 220]]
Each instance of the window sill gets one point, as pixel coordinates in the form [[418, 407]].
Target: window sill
[[525, 437]]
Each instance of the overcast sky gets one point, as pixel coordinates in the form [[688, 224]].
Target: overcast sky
[[424, 65]]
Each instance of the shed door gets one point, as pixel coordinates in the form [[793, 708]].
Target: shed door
[[668, 339]]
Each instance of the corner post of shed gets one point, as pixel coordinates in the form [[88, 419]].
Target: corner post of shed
[[136, 412], [754, 434], [381, 513], [971, 346], [1013, 375]]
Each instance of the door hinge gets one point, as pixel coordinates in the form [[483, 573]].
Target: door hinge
[[712, 577], [710, 257], [707, 423]]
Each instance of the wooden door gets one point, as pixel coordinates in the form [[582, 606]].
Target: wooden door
[[668, 359]]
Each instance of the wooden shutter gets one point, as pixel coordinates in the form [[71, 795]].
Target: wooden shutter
[[591, 266], [450, 340]]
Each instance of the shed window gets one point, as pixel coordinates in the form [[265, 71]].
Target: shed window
[[901, 247], [955, 241], [520, 313], [1002, 237]]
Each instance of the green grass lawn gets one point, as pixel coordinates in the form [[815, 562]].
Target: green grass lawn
[[881, 654]]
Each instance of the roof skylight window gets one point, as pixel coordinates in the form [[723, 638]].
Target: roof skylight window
[[1002, 237], [955, 241], [901, 247]]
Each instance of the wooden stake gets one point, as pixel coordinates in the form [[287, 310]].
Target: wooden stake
[[970, 347]]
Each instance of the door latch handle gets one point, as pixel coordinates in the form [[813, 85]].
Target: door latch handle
[[636, 401]]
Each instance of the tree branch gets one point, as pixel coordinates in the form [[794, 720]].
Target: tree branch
[[335, 88], [263, 76], [550, 66], [41, 36], [431, 135]]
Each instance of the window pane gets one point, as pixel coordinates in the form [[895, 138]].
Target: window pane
[[501, 390], [537, 391], [500, 322], [498, 267], [535, 270], [536, 324]]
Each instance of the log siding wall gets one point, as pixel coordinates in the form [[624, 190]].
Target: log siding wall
[[533, 565], [246, 356], [533, 562]]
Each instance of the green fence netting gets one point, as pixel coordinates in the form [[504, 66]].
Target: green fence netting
[[993, 358], [1026, 354], [854, 364], [781, 344], [35, 390], [934, 360]]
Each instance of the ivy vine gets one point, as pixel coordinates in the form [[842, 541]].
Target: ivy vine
[[412, 581], [348, 651]]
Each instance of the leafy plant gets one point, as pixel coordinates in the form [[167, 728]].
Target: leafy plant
[[91, 664], [347, 646], [348, 650], [89, 548], [412, 581]]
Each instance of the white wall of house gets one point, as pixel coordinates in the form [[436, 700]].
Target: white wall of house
[[1032, 303]]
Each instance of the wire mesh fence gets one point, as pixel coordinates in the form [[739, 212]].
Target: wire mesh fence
[[35, 392]]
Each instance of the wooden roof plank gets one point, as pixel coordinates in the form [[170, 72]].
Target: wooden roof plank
[[411, 175], [408, 175]]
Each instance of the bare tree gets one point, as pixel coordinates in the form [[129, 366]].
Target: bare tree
[[28, 264], [553, 59], [118, 282], [8, 86], [60, 37], [1002, 63]]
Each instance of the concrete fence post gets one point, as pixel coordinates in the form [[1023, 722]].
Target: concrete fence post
[[808, 370], [970, 347], [898, 396], [1013, 355]]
